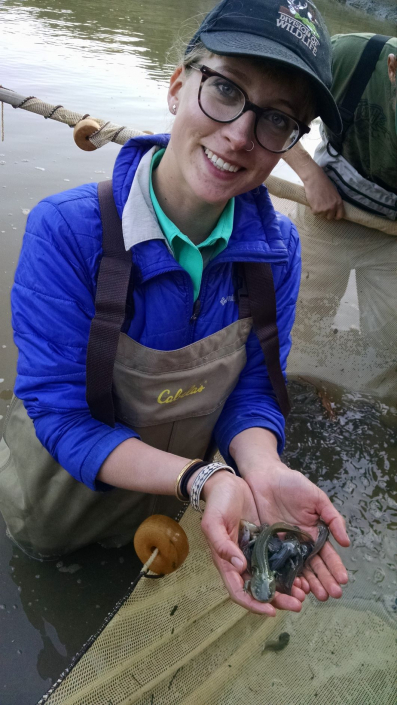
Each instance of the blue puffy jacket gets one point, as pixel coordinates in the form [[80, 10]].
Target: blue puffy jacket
[[53, 304]]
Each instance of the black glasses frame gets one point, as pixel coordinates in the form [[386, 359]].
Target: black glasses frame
[[206, 73]]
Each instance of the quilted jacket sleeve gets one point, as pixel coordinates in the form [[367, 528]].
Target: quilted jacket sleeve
[[253, 402], [52, 307]]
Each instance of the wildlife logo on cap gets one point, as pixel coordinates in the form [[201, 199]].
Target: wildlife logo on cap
[[291, 32], [299, 18]]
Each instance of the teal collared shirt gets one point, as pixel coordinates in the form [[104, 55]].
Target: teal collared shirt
[[190, 256]]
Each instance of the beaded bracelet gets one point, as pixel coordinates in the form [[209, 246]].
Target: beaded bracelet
[[202, 478], [190, 468]]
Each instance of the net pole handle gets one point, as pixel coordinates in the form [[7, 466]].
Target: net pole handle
[[296, 192]]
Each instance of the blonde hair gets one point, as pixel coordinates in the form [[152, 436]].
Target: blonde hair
[[182, 57]]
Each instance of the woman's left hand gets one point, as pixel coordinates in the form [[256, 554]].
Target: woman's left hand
[[282, 494], [228, 499]]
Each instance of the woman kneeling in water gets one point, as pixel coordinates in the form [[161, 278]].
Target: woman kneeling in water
[[116, 414]]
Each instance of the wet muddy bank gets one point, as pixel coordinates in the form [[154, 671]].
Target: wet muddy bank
[[385, 10]]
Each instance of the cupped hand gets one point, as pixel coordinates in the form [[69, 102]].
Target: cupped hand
[[282, 494], [228, 500], [323, 197]]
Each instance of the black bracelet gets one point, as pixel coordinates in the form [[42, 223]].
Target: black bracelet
[[187, 476]]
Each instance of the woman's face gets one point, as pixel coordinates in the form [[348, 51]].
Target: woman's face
[[193, 132]]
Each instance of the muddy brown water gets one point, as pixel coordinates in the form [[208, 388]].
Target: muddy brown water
[[111, 60]]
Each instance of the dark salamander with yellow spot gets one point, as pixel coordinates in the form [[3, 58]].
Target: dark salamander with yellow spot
[[275, 562]]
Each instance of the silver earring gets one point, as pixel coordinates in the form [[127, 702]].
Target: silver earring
[[250, 150], [174, 109]]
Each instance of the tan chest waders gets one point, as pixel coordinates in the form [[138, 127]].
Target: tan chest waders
[[172, 399]]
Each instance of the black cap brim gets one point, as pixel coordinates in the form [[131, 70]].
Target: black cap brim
[[242, 44]]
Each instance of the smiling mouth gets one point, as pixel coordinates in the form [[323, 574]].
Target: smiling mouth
[[219, 163]]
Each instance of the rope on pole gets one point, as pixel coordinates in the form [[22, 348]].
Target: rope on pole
[[296, 192], [110, 132], [107, 132]]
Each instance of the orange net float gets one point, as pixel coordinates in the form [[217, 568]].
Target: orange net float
[[82, 131], [167, 536]]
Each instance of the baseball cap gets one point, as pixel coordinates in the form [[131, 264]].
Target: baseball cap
[[290, 32]]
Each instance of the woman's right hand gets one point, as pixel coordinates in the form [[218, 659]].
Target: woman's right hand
[[228, 499]]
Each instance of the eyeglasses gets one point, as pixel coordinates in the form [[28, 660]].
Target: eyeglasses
[[224, 101]]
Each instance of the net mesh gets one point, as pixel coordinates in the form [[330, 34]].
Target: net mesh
[[180, 639]]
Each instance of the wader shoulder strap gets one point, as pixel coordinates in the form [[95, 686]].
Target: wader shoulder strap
[[110, 302], [258, 301], [357, 84], [257, 298]]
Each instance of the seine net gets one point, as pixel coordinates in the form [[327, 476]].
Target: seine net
[[179, 639]]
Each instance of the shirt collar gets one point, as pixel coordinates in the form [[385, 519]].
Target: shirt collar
[[139, 219], [219, 236], [140, 222]]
